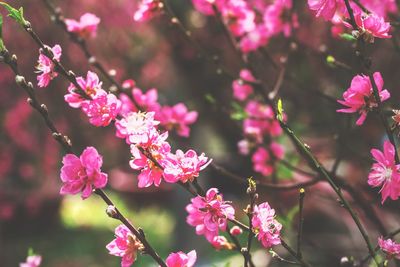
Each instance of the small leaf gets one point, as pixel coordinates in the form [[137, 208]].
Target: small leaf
[[1, 27], [348, 37], [238, 112], [2, 47], [16, 14], [210, 98], [31, 252], [279, 116]]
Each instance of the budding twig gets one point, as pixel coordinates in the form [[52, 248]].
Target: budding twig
[[302, 194]]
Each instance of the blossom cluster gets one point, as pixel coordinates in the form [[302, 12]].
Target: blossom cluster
[[259, 127], [127, 246], [173, 118], [209, 215], [151, 153], [252, 23], [390, 247], [101, 107], [360, 98], [369, 25], [85, 27], [266, 227]]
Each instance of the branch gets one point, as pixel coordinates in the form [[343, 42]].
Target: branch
[[11, 61]]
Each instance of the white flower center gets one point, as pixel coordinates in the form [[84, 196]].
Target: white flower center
[[388, 173], [136, 123]]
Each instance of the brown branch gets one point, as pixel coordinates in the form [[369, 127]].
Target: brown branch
[[11, 61]]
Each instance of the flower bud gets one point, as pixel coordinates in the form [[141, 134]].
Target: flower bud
[[236, 230]]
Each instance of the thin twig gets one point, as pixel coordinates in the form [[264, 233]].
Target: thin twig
[[294, 254], [302, 193]]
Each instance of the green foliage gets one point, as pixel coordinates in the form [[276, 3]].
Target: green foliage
[[279, 116], [287, 220], [77, 214], [31, 252], [210, 98], [238, 113], [1, 34], [16, 14], [282, 171], [348, 37]]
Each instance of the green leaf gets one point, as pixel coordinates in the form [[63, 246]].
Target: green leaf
[[279, 116], [1, 27], [348, 37], [2, 47], [31, 252], [16, 14], [210, 98], [238, 112]]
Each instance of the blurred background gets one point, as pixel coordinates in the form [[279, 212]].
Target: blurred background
[[69, 232]]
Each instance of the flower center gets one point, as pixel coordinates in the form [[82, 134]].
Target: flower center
[[388, 173]]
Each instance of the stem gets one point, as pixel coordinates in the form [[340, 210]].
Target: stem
[[271, 186], [315, 165], [301, 221], [239, 247], [382, 115], [294, 254], [251, 190]]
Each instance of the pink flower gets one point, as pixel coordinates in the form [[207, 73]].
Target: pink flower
[[360, 98], [32, 261], [265, 226], [239, 17], [46, 67], [150, 173], [102, 109], [180, 259], [244, 146], [255, 39], [91, 85], [147, 101], [372, 25], [177, 118], [125, 245], [324, 8], [279, 17], [241, 89], [85, 27], [184, 167], [391, 248], [264, 160], [236, 230], [209, 214], [259, 111], [385, 172], [129, 84], [138, 128], [147, 10], [83, 173]]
